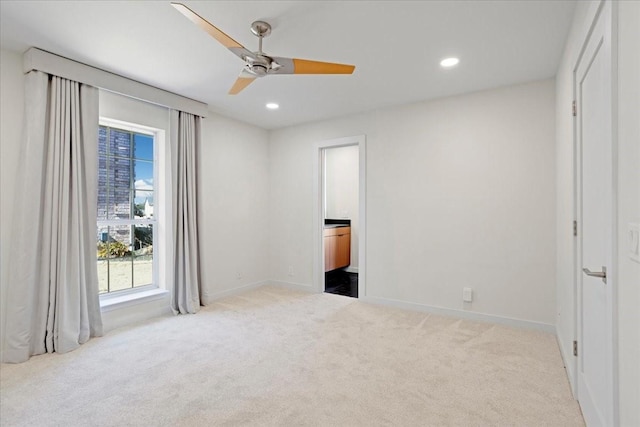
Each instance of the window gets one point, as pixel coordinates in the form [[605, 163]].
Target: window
[[126, 223]]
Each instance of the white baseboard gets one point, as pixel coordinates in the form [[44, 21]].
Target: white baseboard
[[469, 315], [569, 362], [208, 298], [293, 286], [351, 269]]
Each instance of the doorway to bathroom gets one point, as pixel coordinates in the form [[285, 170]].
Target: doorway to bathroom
[[339, 220]]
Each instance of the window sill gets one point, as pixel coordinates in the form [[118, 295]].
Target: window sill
[[114, 302]]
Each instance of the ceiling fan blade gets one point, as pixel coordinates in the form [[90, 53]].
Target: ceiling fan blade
[[243, 80], [214, 32], [304, 66]]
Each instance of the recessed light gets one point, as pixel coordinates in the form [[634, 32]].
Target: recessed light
[[272, 106], [449, 62]]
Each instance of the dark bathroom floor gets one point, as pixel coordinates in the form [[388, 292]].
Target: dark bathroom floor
[[342, 283]]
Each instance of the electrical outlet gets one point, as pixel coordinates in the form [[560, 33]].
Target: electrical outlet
[[291, 270], [467, 294], [238, 275], [634, 242]]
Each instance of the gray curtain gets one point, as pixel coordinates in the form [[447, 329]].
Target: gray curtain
[[185, 138], [52, 296]]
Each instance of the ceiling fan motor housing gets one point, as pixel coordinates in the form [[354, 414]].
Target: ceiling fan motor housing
[[258, 70], [259, 64]]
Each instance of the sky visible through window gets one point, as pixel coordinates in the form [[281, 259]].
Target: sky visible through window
[[143, 169]]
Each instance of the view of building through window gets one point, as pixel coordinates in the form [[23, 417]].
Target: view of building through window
[[125, 209]]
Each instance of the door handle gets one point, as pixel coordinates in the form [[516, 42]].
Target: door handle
[[601, 274]]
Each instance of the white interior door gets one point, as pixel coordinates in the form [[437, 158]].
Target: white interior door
[[595, 284]]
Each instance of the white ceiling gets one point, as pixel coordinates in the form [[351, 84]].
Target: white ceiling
[[395, 45]]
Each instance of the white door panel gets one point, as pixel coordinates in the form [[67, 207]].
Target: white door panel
[[595, 210]]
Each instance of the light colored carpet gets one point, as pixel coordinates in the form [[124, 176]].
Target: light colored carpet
[[273, 356]]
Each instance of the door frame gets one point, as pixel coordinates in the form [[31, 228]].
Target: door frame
[[319, 207], [606, 10]]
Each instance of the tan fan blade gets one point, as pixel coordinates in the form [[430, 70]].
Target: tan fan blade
[[224, 39], [243, 80], [304, 66]]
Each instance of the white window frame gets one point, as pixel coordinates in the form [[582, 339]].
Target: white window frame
[[155, 290]]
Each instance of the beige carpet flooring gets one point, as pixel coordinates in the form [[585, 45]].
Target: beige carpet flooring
[[273, 356]]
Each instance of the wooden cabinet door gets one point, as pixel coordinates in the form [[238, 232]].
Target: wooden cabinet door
[[343, 250], [330, 247]]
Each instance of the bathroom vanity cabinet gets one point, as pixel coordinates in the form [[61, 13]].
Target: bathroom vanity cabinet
[[337, 247]]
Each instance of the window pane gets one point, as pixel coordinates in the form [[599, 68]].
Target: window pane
[[120, 273], [102, 186], [120, 235], [143, 204], [102, 140], [119, 194], [143, 175], [143, 146], [102, 170], [143, 256], [119, 203], [143, 270], [119, 172], [120, 143], [120, 258], [103, 259]]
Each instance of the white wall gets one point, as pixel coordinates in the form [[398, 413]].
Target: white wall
[[628, 211], [11, 112], [460, 192], [341, 187], [233, 203]]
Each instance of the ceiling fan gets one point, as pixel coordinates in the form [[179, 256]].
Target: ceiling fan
[[258, 64]]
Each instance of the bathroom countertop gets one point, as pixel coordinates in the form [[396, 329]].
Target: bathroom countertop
[[335, 223]]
